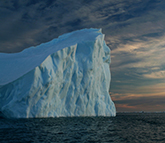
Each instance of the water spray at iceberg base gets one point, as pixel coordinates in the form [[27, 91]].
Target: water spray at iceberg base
[[68, 76]]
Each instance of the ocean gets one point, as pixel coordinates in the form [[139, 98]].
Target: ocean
[[124, 128]]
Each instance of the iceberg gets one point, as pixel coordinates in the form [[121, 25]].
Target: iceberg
[[68, 76]]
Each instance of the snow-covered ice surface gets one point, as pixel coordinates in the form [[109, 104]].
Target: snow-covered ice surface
[[68, 76]]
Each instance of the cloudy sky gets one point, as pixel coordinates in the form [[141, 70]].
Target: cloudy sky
[[135, 33]]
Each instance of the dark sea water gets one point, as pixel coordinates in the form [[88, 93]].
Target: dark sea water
[[124, 128]]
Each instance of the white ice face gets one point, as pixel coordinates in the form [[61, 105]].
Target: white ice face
[[72, 81]]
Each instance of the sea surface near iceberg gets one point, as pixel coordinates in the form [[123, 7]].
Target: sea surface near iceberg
[[124, 128]]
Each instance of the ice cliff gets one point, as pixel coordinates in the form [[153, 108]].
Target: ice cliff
[[68, 76]]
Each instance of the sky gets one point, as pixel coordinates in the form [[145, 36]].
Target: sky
[[134, 31]]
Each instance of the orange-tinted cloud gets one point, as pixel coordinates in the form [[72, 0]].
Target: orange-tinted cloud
[[139, 102], [147, 108]]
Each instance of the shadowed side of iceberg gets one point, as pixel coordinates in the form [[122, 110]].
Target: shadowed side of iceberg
[[73, 81]]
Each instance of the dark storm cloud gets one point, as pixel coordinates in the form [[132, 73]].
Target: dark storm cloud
[[31, 22], [34, 22]]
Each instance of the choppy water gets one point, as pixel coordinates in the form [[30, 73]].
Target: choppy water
[[124, 128]]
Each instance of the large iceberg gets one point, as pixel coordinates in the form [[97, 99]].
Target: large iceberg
[[68, 76]]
